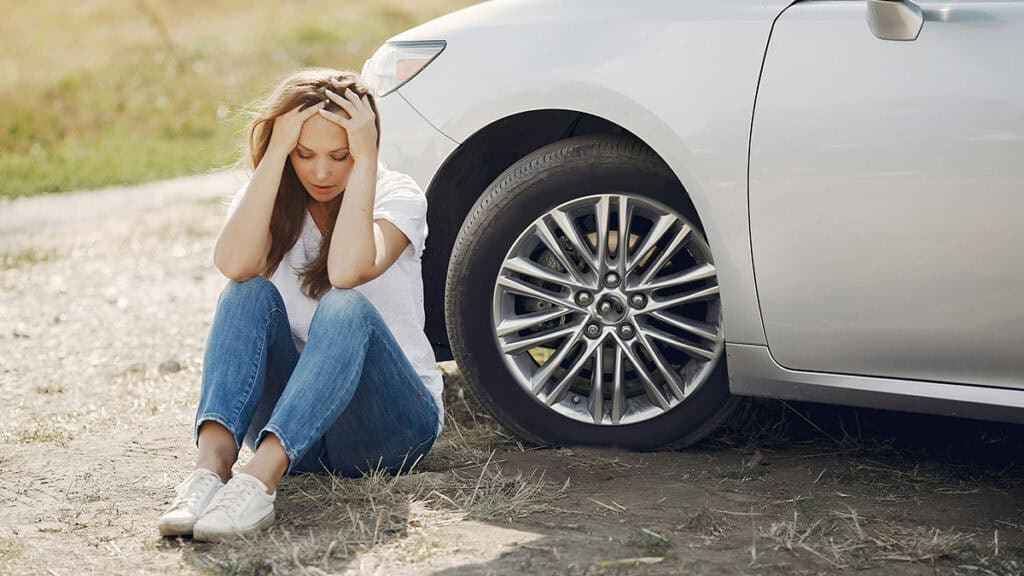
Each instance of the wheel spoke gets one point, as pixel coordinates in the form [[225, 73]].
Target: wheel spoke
[[520, 287], [695, 327], [674, 381], [535, 340], [540, 377], [530, 268], [618, 391], [602, 211], [702, 294], [622, 245], [677, 241], [570, 231], [695, 351], [527, 321], [549, 240], [657, 231], [559, 391], [698, 272], [649, 386], [597, 390]]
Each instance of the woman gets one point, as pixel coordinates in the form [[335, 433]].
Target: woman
[[316, 357]]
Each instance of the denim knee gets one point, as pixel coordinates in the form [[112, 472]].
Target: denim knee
[[344, 306], [254, 289]]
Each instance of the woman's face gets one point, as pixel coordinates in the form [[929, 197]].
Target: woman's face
[[321, 159]]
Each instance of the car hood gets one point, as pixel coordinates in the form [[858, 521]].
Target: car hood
[[520, 13]]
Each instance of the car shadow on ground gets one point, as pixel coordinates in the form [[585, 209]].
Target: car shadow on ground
[[784, 488]]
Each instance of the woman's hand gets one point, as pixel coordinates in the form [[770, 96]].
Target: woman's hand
[[288, 126], [359, 125]]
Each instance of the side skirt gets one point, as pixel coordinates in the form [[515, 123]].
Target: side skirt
[[753, 372]]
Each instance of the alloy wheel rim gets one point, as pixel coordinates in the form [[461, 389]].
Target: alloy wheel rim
[[603, 335]]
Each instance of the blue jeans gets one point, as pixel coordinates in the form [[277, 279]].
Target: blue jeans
[[349, 403]]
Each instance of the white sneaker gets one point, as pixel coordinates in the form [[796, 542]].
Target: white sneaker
[[240, 508], [194, 495]]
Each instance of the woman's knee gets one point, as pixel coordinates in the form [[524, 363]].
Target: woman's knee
[[344, 303], [254, 290]]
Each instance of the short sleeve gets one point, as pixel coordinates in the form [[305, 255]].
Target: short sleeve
[[400, 201]]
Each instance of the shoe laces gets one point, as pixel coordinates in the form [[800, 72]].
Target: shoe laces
[[191, 489], [231, 497]]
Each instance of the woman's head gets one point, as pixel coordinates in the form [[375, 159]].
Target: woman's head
[[320, 159]]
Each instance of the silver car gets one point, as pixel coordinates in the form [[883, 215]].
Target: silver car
[[639, 210]]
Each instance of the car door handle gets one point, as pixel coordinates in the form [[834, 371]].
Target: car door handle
[[895, 19]]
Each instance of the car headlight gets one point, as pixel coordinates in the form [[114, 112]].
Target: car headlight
[[395, 63]]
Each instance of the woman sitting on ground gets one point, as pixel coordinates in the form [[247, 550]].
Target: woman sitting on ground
[[316, 357]]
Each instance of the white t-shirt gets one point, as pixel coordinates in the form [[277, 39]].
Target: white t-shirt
[[397, 294]]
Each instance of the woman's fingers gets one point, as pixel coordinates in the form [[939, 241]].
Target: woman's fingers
[[355, 106], [345, 104], [336, 118], [308, 112], [352, 97]]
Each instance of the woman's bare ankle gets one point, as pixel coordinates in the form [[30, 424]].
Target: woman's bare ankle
[[222, 470], [269, 463], [216, 449]]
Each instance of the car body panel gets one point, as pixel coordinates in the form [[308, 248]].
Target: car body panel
[[408, 141], [885, 194], [695, 114], [753, 372]]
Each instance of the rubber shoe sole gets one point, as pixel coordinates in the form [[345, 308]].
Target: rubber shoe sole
[[214, 535], [170, 529]]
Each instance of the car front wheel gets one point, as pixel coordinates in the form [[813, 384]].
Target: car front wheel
[[582, 301]]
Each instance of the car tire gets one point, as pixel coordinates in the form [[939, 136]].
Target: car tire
[[517, 210]]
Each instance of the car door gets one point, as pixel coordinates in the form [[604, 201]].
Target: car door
[[886, 193]]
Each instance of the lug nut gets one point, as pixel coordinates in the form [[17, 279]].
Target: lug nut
[[592, 330], [626, 331], [611, 279], [637, 300], [584, 298]]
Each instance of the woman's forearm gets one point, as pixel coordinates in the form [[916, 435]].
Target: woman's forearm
[[244, 241], [353, 249]]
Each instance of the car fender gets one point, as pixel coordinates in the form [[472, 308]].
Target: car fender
[[680, 76]]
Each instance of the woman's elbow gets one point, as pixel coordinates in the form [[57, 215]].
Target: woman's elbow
[[347, 279], [232, 271], [344, 281], [343, 275]]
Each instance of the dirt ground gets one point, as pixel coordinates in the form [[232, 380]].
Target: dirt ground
[[105, 301]]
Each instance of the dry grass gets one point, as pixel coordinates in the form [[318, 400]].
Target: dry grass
[[105, 92], [707, 525], [58, 429], [328, 520], [650, 542], [846, 540], [882, 454], [10, 549]]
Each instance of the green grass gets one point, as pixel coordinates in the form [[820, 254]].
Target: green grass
[[114, 92], [28, 257]]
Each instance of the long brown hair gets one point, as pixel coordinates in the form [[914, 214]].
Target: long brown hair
[[304, 88]]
